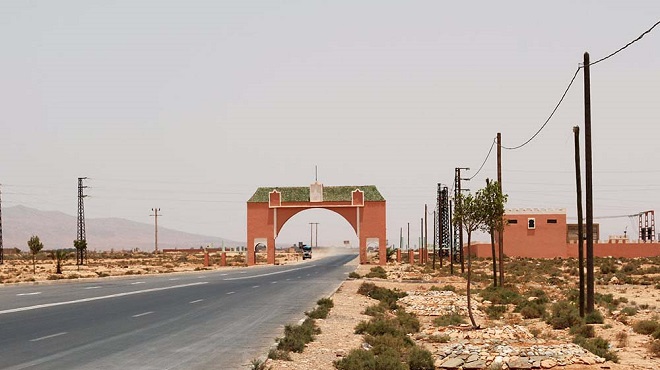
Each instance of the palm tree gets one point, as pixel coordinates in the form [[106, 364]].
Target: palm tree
[[59, 256], [35, 247], [469, 212]]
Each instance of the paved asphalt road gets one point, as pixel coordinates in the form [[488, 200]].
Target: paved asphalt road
[[204, 320]]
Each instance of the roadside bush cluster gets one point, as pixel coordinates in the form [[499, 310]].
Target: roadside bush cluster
[[296, 336], [322, 309], [598, 346], [387, 335], [377, 272], [449, 319], [386, 296]]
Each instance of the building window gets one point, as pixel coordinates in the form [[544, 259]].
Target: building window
[[511, 221], [531, 223], [552, 221]]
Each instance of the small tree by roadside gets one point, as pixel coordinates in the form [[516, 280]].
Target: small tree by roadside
[[35, 247], [469, 212], [59, 256], [493, 208]]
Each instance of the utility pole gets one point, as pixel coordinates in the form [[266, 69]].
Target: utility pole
[[2, 250], [451, 242], [317, 234], [408, 245], [421, 241], [578, 186], [500, 234], [400, 238], [589, 185], [426, 234], [435, 236], [155, 216], [311, 234], [81, 252]]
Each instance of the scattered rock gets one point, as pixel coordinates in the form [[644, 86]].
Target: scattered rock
[[452, 363], [548, 363]]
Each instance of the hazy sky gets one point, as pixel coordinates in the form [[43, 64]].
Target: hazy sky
[[191, 105]]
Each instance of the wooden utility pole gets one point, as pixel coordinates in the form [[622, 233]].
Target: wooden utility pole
[[578, 186], [500, 233], [426, 234], [155, 216], [408, 245], [421, 241], [589, 185]]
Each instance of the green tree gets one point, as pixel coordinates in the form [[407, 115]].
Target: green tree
[[469, 211], [59, 256], [35, 247], [493, 208], [81, 246]]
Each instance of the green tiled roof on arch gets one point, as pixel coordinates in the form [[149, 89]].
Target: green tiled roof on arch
[[330, 194]]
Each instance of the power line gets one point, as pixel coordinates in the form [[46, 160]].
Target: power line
[[626, 45], [551, 114], [484, 162], [571, 83]]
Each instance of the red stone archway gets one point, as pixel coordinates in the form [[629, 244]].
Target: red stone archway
[[270, 208]]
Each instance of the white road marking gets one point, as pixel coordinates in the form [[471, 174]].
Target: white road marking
[[28, 308], [224, 274], [47, 337], [196, 301], [143, 314], [256, 286], [231, 292], [137, 282], [93, 287], [268, 274], [201, 277], [288, 279], [173, 279], [273, 282], [243, 272], [33, 293]]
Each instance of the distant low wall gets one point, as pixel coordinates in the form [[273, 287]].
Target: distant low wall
[[570, 250]]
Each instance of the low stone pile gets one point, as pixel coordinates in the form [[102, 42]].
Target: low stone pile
[[438, 303], [504, 356], [494, 335]]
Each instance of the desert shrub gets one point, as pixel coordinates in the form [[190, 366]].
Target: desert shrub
[[563, 315], [408, 322], [629, 311], [532, 310], [656, 334], [598, 346], [357, 359], [447, 287], [594, 317], [257, 364], [377, 309], [384, 295], [354, 275], [608, 267], [494, 312], [583, 330], [296, 336], [320, 312], [437, 338], [381, 343], [540, 294], [377, 272], [500, 295], [276, 354], [378, 326], [390, 359], [420, 359], [449, 319], [646, 326], [55, 277], [621, 339], [654, 348]]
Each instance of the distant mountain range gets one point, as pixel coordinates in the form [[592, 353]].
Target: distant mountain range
[[58, 230]]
